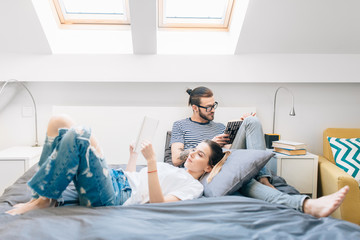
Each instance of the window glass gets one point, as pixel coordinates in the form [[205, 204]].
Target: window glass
[[92, 11], [195, 13]]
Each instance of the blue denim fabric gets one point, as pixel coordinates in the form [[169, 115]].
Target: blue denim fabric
[[69, 157], [48, 148], [251, 136], [257, 190]]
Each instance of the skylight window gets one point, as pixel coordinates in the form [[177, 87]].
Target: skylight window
[[89, 38], [93, 11], [195, 13]]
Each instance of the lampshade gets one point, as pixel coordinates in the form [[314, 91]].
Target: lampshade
[[33, 100]]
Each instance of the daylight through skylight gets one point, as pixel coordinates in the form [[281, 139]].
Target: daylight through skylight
[[92, 11], [195, 13]]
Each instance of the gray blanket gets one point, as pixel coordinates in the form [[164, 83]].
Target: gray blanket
[[229, 217]]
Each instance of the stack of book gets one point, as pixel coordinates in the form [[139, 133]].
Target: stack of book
[[289, 147]]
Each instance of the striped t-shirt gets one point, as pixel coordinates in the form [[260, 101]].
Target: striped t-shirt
[[191, 133]]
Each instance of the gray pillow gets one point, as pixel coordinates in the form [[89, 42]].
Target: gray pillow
[[240, 167]]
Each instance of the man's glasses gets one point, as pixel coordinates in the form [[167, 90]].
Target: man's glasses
[[208, 109]]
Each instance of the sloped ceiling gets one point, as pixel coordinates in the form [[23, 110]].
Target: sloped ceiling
[[301, 26], [20, 29], [276, 26]]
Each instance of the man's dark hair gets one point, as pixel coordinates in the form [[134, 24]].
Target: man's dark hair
[[197, 93]]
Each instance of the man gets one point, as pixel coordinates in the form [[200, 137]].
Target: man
[[187, 133]]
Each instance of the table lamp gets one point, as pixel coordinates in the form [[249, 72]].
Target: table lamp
[[33, 100], [270, 137]]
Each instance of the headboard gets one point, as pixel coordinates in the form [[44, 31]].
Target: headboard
[[116, 127]]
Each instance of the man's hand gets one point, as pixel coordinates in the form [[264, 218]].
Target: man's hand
[[184, 155], [221, 139], [266, 182], [247, 115], [176, 153]]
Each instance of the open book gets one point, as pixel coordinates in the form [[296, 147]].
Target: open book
[[232, 128], [147, 132]]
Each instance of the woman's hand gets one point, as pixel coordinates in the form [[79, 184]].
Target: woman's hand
[[155, 191], [132, 151], [148, 151], [131, 166]]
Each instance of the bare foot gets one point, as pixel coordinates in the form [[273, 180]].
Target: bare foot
[[39, 203], [326, 205], [22, 204]]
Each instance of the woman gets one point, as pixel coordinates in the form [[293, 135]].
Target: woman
[[73, 154]]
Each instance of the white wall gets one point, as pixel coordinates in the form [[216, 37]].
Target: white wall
[[317, 105], [181, 68]]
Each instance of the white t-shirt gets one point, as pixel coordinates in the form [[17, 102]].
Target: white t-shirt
[[173, 181]]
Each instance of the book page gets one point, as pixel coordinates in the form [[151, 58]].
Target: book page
[[147, 132], [287, 142]]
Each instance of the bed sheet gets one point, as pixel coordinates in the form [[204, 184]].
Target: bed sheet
[[228, 217]]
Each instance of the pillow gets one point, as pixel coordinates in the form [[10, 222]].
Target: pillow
[[240, 167], [346, 152]]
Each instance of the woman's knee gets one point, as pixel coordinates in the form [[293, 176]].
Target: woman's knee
[[56, 122], [85, 139], [96, 147]]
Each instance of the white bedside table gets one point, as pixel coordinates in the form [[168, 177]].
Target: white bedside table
[[14, 162], [299, 171]]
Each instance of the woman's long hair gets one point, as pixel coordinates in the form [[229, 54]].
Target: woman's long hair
[[216, 159]]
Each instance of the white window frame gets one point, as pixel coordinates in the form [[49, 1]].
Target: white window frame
[[224, 26], [66, 19]]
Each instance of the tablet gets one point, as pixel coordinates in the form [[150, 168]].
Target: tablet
[[147, 132]]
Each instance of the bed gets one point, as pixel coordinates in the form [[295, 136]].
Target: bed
[[226, 217]]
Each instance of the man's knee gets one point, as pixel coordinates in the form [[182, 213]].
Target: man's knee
[[252, 120]]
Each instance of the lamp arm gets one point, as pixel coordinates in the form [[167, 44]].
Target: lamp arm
[[3, 86], [33, 100], [274, 110], [292, 112], [35, 110]]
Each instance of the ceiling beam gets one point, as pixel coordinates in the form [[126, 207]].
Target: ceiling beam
[[143, 15]]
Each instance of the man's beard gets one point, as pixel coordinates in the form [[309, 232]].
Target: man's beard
[[206, 117]]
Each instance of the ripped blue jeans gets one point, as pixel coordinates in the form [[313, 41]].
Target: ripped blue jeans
[[70, 157]]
